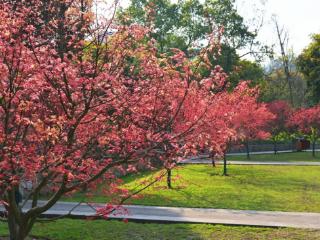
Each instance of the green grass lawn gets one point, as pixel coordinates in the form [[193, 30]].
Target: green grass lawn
[[281, 188], [105, 230], [281, 157]]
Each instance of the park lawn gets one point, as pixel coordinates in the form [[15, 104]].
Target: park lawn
[[280, 157], [72, 229], [276, 188]]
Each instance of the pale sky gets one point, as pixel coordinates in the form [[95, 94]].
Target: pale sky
[[301, 18]]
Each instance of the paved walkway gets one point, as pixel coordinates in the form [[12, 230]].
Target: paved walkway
[[207, 161], [197, 215]]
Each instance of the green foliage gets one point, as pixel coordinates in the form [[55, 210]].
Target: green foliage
[[282, 136], [163, 20], [186, 26], [188, 21], [275, 86], [247, 70], [313, 136], [309, 64]]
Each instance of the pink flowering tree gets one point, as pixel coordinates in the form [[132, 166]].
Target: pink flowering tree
[[307, 122], [77, 104], [235, 117], [278, 126], [250, 119]]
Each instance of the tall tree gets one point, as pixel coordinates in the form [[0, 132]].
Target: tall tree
[[309, 64], [275, 85], [283, 39], [186, 24]]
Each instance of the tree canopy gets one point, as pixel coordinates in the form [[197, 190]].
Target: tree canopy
[[309, 64], [186, 25]]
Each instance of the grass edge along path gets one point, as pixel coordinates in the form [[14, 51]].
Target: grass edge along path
[[104, 230]]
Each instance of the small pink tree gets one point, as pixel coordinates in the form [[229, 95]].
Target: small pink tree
[[307, 121], [251, 118], [278, 126], [236, 116]]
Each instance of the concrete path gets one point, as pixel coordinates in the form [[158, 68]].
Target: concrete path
[[195, 215], [206, 161]]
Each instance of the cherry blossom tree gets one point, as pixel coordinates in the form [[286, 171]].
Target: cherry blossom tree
[[278, 126], [78, 104], [235, 117], [250, 118], [307, 121]]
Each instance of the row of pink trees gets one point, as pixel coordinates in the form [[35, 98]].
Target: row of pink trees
[[234, 118], [303, 122]]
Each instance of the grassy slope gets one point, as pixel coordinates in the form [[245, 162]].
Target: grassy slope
[[281, 157], [282, 188], [103, 230]]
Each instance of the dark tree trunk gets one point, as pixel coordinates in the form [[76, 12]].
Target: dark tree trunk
[[275, 147], [212, 155], [313, 149], [293, 146], [13, 227], [213, 163], [19, 223], [225, 173], [18, 231], [247, 150], [169, 185]]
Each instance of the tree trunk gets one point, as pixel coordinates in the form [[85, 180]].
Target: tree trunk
[[169, 178], [19, 224], [313, 149], [247, 150], [13, 227], [17, 231], [212, 155], [225, 173], [213, 163], [275, 149]]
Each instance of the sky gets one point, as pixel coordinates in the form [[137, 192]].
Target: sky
[[300, 18]]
